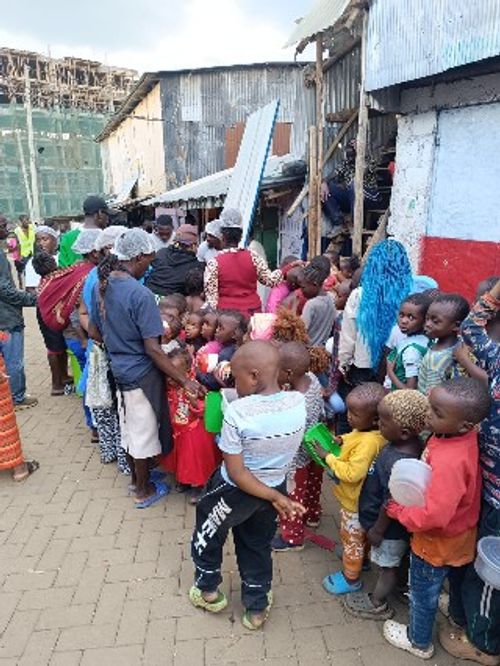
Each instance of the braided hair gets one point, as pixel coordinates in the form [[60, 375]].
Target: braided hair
[[386, 281], [109, 264]]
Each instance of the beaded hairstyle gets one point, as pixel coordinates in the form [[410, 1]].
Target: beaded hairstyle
[[386, 281]]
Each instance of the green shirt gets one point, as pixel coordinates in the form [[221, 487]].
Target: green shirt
[[66, 255]]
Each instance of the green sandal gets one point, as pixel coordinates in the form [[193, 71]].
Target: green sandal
[[197, 599], [252, 624]]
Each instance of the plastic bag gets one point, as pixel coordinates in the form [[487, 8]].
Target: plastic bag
[[98, 393]]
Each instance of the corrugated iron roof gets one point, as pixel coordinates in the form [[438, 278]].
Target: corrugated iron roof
[[216, 186], [323, 16], [148, 81], [410, 40]]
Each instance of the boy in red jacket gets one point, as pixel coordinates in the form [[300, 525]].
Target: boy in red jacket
[[444, 529]]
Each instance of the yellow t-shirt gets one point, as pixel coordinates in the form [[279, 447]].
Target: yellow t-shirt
[[358, 451]]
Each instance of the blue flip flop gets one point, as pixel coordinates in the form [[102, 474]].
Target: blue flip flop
[[161, 491], [338, 584], [157, 475]]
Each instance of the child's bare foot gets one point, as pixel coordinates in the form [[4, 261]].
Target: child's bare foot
[[149, 491]]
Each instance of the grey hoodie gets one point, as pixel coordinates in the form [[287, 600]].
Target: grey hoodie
[[12, 300]]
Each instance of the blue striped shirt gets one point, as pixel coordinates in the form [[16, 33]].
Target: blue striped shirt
[[267, 430]]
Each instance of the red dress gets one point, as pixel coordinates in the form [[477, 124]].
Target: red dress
[[195, 455]]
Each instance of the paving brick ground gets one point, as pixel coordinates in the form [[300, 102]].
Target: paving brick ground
[[86, 579]]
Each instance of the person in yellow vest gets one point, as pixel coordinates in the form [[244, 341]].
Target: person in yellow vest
[[25, 234]]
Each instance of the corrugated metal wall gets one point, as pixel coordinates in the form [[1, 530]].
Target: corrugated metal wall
[[67, 158], [198, 107], [409, 40], [341, 93]]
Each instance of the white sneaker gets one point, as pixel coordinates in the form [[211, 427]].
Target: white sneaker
[[396, 634]]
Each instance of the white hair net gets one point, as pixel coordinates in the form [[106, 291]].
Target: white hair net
[[231, 219], [133, 243], [86, 240], [213, 229], [108, 237], [45, 229]]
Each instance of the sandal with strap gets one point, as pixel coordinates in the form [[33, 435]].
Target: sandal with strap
[[197, 599], [31, 466], [360, 604], [253, 620], [337, 583]]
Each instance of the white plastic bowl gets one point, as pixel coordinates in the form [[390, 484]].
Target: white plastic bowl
[[487, 562], [409, 480]]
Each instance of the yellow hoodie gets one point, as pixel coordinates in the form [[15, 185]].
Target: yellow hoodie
[[358, 451]]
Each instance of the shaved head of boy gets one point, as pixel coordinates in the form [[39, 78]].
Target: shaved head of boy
[[255, 367]]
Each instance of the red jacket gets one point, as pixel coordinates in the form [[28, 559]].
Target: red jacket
[[453, 497]]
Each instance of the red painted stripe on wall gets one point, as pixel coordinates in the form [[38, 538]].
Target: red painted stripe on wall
[[459, 265]]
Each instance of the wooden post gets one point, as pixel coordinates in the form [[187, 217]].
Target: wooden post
[[320, 122], [357, 232], [313, 190], [25, 174], [35, 201]]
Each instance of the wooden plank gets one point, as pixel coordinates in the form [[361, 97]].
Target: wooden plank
[[357, 232], [329, 153], [379, 234], [330, 62], [337, 140]]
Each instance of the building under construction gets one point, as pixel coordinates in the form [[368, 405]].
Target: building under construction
[[50, 111]]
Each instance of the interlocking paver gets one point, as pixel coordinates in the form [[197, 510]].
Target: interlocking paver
[[87, 579]]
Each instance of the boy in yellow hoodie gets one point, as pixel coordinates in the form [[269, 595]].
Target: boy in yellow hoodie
[[358, 450]]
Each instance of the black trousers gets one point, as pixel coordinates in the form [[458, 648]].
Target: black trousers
[[478, 607], [223, 507]]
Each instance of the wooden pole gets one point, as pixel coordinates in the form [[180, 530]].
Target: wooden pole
[[31, 146], [357, 233], [313, 190], [25, 173], [320, 122]]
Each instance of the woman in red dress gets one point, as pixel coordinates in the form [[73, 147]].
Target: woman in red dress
[[195, 455]]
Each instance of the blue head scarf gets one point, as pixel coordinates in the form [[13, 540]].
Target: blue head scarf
[[386, 281]]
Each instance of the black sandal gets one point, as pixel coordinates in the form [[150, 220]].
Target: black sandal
[[31, 467], [360, 604]]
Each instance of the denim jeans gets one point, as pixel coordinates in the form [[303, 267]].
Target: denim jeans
[[426, 583], [478, 608], [13, 352], [220, 508]]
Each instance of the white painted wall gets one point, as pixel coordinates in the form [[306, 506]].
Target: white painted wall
[[410, 202], [135, 148]]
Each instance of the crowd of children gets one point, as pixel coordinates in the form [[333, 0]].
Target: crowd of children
[[394, 367]]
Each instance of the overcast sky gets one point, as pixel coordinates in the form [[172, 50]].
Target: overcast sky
[[154, 34]]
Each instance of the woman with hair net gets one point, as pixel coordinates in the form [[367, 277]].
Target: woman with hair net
[[231, 278], [59, 296], [124, 316], [104, 418]]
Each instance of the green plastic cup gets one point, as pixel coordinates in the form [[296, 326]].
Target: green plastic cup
[[213, 412]]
